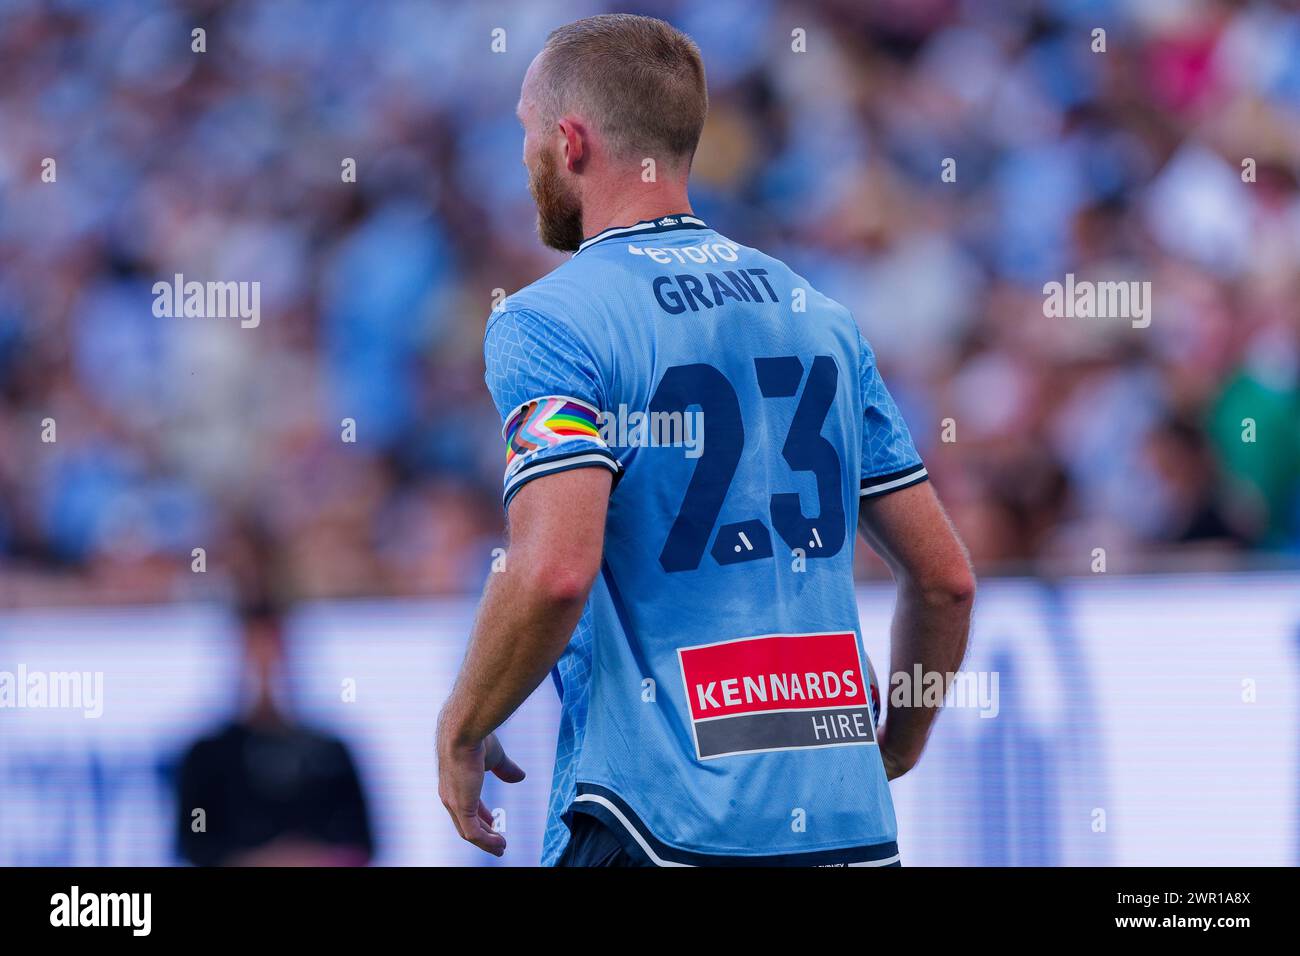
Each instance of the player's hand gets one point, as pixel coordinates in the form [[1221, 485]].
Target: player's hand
[[460, 786]]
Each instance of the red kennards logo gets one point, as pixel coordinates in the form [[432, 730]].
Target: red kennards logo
[[777, 692]]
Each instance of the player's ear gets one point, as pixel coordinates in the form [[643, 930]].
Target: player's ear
[[575, 143]]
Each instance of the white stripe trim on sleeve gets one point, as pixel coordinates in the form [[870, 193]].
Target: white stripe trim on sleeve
[[530, 472], [894, 483]]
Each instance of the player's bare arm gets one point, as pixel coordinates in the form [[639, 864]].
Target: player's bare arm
[[527, 615], [936, 589]]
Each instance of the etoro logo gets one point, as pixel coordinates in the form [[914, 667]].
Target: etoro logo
[[777, 692]]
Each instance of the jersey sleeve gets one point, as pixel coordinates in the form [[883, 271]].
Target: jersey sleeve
[[890, 461], [549, 393]]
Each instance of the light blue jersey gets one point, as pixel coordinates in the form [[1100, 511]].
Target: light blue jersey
[[717, 703]]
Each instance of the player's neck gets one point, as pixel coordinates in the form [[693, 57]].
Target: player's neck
[[661, 199]]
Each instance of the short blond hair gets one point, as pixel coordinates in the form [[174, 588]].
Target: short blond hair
[[640, 80]]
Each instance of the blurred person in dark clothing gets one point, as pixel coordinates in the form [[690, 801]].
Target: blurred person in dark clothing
[[1196, 509], [272, 792]]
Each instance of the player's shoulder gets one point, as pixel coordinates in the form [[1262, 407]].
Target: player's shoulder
[[816, 298], [560, 301], [790, 275]]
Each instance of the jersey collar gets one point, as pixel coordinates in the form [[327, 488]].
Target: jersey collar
[[646, 226]]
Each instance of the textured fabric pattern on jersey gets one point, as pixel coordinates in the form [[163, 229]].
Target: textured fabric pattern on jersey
[[713, 695], [889, 458], [572, 677]]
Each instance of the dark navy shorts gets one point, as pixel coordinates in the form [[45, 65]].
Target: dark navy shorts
[[591, 843], [594, 842]]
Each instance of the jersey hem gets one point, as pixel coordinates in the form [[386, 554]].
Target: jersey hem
[[638, 840]]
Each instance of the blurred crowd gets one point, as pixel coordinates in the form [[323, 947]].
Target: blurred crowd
[[1166, 151]]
